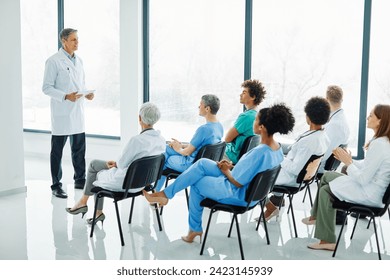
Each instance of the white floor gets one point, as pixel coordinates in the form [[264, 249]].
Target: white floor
[[35, 226]]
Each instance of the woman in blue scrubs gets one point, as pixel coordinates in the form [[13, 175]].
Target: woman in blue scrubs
[[219, 180]]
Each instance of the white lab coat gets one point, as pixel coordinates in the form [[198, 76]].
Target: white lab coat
[[148, 143], [309, 143], [63, 77], [337, 130], [367, 179]]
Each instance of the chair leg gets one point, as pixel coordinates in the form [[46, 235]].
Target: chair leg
[[310, 198], [119, 223], [207, 231], [262, 217], [158, 218], [94, 215], [292, 214], [187, 198], [239, 238], [231, 226], [388, 210], [376, 237], [166, 184], [304, 195], [338, 238], [131, 209], [354, 226]]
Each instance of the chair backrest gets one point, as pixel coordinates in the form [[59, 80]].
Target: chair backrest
[[143, 172], [249, 143], [386, 196], [332, 163], [261, 184], [212, 151], [309, 170]]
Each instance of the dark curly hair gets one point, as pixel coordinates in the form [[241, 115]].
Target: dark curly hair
[[317, 110], [277, 118], [256, 89]]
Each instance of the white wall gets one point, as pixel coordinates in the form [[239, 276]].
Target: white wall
[[11, 121]]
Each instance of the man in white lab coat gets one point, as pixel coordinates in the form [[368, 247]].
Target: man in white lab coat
[[64, 82]]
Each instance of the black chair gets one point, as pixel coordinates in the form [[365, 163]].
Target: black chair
[[249, 143], [331, 164], [212, 151], [305, 177], [360, 209], [143, 172], [258, 190]]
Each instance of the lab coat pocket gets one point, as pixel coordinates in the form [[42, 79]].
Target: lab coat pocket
[[63, 80]]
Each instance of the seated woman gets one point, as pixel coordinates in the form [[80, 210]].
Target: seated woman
[[216, 180], [179, 156], [365, 183], [312, 142], [111, 174], [252, 95]]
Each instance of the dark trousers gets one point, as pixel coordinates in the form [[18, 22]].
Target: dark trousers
[[77, 145]]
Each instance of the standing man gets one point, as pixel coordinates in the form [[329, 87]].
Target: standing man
[[63, 79]]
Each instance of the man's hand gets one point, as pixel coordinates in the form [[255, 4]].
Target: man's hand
[[73, 96], [90, 96], [111, 164]]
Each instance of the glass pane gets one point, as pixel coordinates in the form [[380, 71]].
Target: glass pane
[[379, 78], [300, 47], [97, 23], [39, 41], [196, 48]]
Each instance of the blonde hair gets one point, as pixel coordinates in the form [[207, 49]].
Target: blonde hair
[[334, 94]]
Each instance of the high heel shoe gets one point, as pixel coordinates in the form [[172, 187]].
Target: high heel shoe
[[99, 218], [273, 214], [160, 200], [82, 210], [189, 238]]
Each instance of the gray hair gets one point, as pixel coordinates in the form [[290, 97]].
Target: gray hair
[[64, 34], [149, 113], [211, 101]]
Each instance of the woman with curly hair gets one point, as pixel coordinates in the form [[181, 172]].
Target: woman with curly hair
[[252, 95], [312, 142], [218, 181], [366, 182]]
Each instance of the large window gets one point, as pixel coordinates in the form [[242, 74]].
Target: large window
[[97, 23], [301, 47], [98, 30], [196, 48], [39, 41], [379, 77]]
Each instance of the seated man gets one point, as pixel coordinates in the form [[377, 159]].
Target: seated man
[[252, 95], [337, 128], [179, 156], [312, 142], [111, 174]]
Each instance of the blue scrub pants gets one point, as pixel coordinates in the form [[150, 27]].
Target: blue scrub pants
[[206, 181], [175, 161], [77, 145]]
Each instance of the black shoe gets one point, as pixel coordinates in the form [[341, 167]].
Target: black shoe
[[276, 200], [58, 192], [360, 217], [340, 215], [78, 186]]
